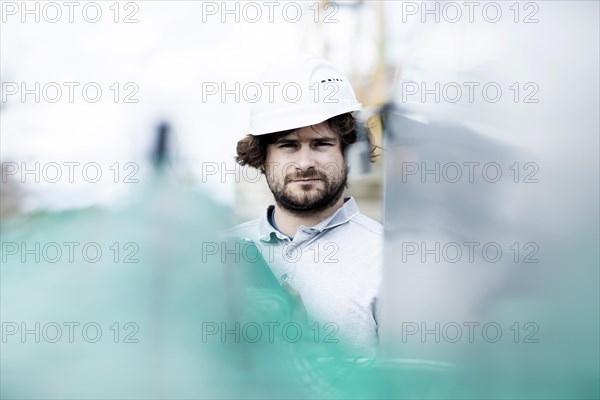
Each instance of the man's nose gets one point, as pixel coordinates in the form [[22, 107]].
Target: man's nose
[[306, 158]]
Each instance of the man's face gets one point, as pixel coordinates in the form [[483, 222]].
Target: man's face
[[305, 170]]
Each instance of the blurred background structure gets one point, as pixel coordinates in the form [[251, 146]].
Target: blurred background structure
[[446, 86]]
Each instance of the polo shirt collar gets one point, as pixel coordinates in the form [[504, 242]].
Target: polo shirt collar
[[341, 216]]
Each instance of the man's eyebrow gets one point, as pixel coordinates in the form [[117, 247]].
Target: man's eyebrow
[[285, 140]]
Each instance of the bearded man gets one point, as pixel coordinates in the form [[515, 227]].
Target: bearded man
[[315, 241]]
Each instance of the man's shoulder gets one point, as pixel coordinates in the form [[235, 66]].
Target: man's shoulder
[[245, 230], [367, 224]]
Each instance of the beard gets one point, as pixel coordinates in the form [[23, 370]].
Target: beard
[[310, 198]]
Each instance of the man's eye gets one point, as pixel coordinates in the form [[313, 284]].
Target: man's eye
[[287, 145], [324, 144]]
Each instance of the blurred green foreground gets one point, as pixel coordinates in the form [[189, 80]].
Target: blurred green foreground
[[146, 301], [171, 310]]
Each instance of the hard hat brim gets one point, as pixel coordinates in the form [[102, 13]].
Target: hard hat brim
[[296, 118]]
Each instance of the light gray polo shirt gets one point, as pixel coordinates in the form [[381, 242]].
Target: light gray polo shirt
[[336, 266]]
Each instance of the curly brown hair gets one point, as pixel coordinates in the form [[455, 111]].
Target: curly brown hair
[[252, 150]]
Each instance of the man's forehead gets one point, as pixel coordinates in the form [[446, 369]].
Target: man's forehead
[[319, 131]]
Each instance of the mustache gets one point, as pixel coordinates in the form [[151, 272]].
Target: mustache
[[310, 174]]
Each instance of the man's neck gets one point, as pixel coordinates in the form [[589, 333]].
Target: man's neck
[[288, 222]]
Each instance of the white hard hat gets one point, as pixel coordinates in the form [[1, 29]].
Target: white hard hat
[[300, 91]]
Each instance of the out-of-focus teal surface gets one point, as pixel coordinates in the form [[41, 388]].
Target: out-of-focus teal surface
[[163, 302]]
